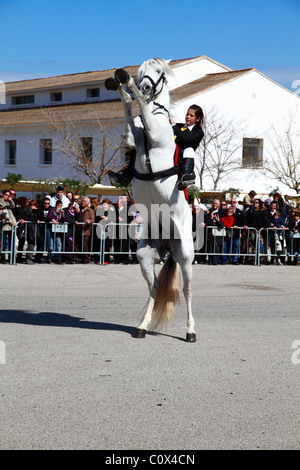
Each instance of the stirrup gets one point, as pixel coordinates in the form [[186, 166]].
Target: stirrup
[[118, 178], [186, 180]]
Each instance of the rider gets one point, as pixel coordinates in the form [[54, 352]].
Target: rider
[[187, 136]]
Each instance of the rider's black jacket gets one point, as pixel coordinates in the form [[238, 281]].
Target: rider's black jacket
[[185, 138]]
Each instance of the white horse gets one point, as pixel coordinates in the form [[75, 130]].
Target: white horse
[[154, 187]]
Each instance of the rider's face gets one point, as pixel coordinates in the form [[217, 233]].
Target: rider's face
[[191, 117]]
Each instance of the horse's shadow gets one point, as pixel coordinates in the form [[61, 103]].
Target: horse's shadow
[[59, 320], [67, 321]]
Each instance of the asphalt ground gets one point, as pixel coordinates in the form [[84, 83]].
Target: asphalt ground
[[73, 377]]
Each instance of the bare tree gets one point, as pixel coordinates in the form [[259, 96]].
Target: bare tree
[[218, 154], [90, 157], [283, 163]]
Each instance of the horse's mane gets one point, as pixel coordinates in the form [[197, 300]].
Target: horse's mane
[[162, 62]]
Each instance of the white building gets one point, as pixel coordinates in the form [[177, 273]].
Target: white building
[[241, 106]]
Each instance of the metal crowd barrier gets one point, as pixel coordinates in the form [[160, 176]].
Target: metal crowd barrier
[[219, 245], [222, 246], [119, 239], [54, 240], [235, 241], [7, 241], [278, 243]]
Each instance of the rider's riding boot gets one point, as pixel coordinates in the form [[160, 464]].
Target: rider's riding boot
[[124, 176], [187, 175]]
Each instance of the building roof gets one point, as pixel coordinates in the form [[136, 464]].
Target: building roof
[[83, 112], [111, 109], [26, 186], [202, 84], [62, 81], [89, 78]]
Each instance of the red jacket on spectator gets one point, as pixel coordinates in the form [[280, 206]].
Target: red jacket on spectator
[[228, 220]]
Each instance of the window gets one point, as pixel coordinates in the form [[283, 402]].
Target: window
[[252, 153], [93, 92], [57, 96], [86, 144], [46, 152], [10, 152], [19, 100]]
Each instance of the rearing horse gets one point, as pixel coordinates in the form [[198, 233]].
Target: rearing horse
[[154, 187]]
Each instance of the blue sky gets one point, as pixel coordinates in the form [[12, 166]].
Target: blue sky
[[53, 37]]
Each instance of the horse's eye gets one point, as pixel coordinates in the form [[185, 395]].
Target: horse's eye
[[158, 71]]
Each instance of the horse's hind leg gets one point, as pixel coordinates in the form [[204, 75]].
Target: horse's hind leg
[[144, 325], [184, 257], [146, 256], [186, 269]]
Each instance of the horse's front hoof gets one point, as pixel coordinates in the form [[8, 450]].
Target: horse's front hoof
[[139, 333], [191, 337], [111, 84], [122, 75]]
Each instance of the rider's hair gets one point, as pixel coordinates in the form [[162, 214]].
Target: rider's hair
[[199, 114]]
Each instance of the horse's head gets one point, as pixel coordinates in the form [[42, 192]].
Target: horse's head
[[152, 77]]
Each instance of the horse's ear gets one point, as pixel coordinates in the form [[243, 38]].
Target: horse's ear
[[167, 67]]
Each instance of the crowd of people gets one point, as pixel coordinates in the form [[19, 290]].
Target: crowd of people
[[236, 232], [62, 228]]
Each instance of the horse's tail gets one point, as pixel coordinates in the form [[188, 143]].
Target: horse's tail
[[167, 295]]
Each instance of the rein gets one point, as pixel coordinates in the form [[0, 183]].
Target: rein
[[160, 109], [160, 106]]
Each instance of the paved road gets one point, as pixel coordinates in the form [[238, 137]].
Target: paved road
[[74, 378]]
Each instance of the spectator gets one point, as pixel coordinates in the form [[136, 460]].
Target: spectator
[[71, 216], [30, 217], [106, 215], [73, 199], [223, 208], [228, 221], [215, 207], [3, 219], [44, 242], [13, 201], [8, 222], [293, 238], [258, 219], [56, 217], [22, 204], [236, 234], [87, 218], [70, 196], [95, 204], [60, 196], [214, 237], [249, 198], [277, 246], [272, 208], [282, 205]]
